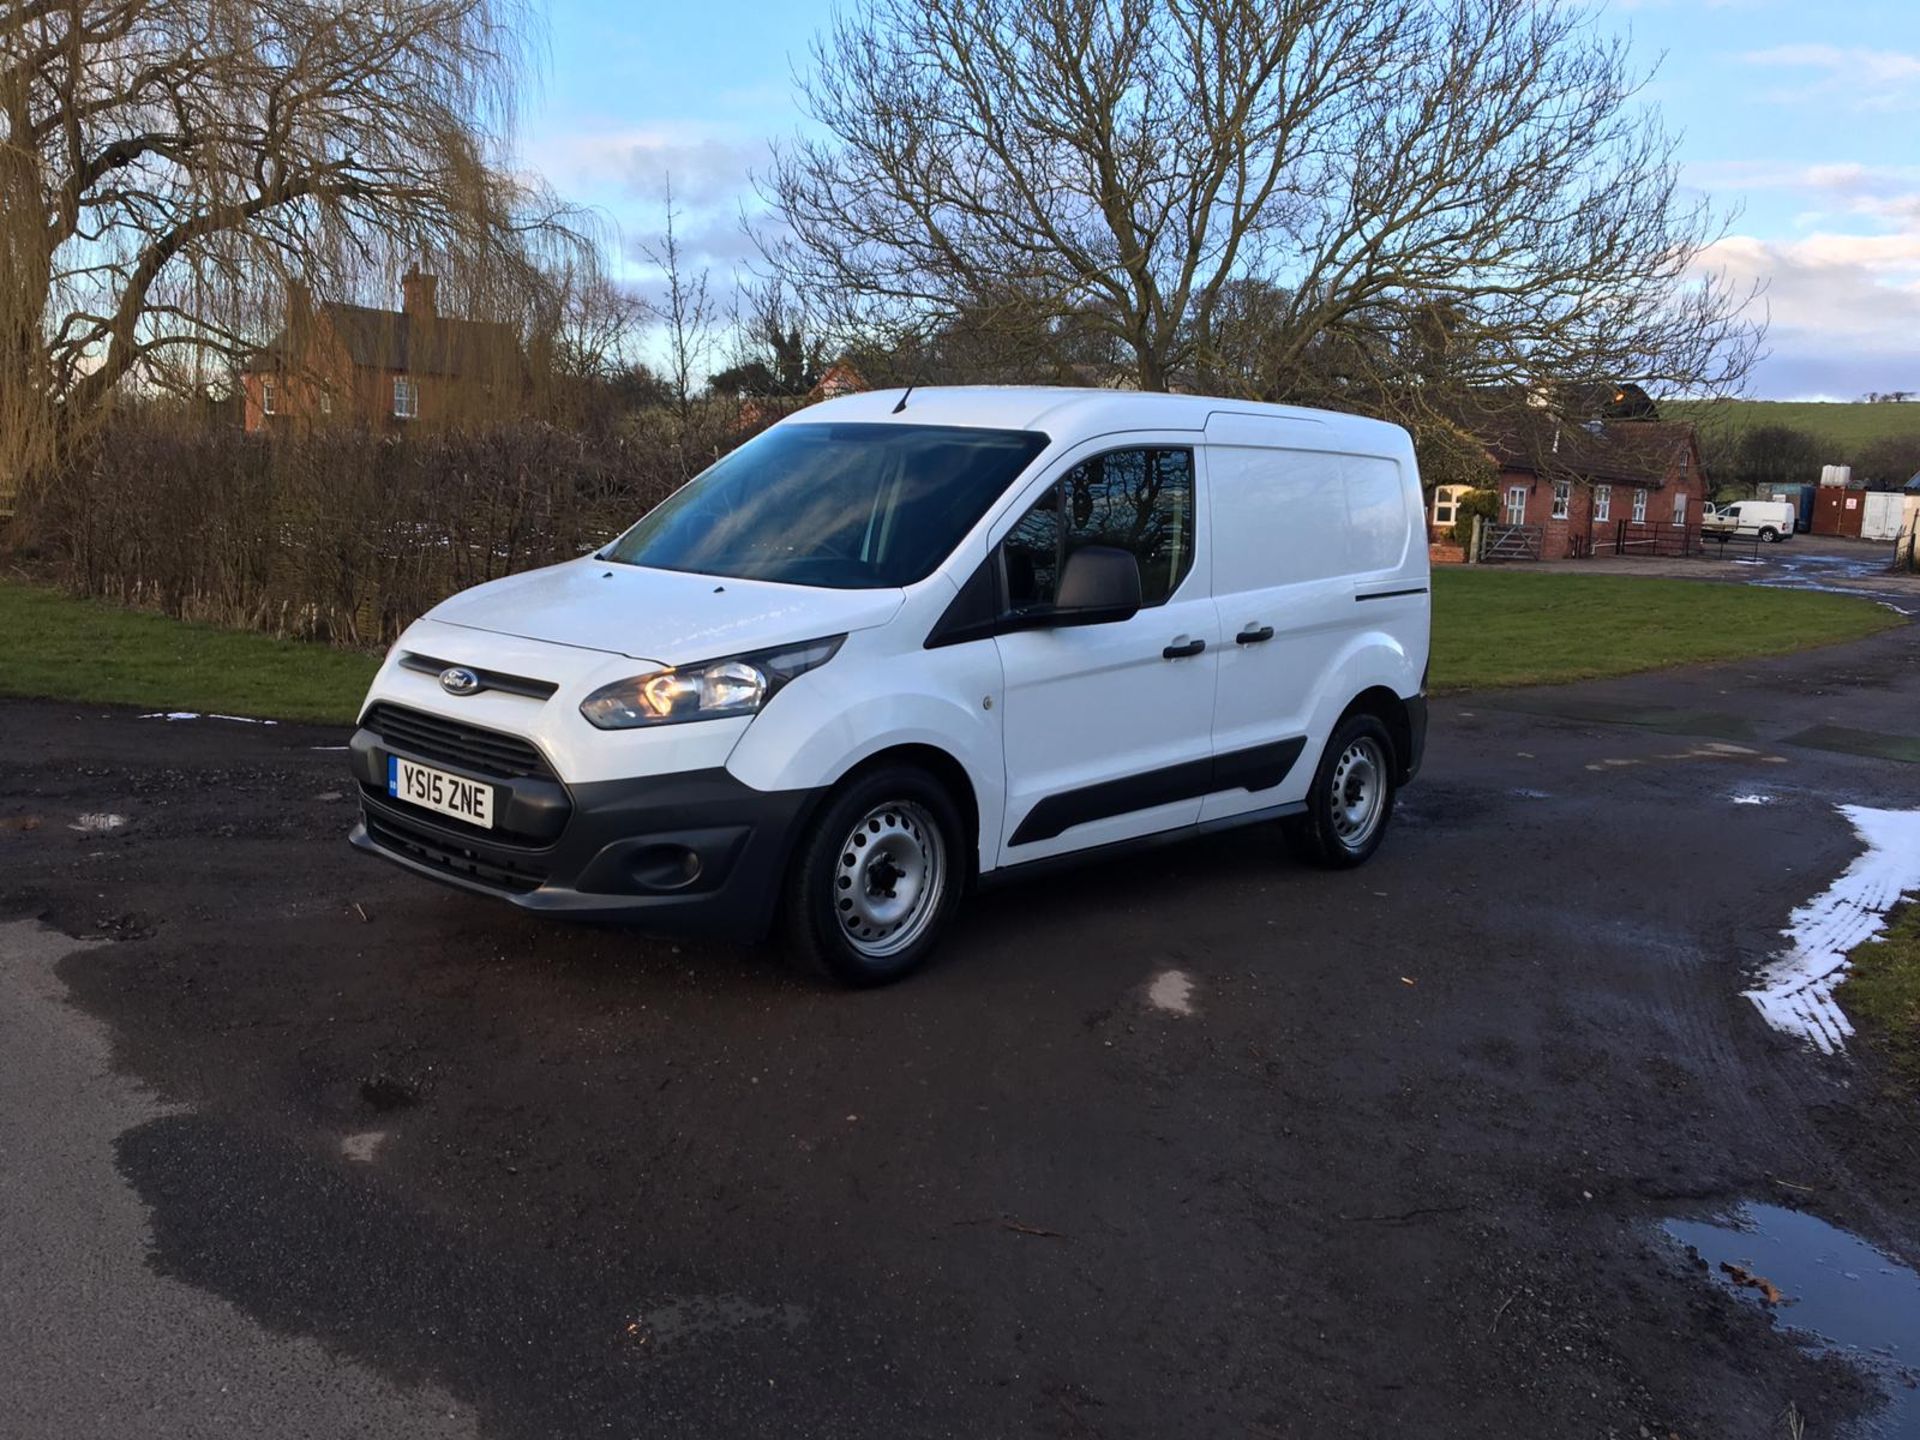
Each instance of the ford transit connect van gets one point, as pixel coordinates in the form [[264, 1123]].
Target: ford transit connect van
[[900, 644]]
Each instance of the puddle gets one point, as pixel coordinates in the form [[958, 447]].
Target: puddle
[[1839, 1291], [1795, 992]]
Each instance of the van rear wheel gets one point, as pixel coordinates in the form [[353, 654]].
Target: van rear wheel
[[877, 877], [1770, 535], [1351, 799]]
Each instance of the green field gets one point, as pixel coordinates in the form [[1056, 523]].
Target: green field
[[1492, 627], [1845, 426], [61, 648], [1497, 627]]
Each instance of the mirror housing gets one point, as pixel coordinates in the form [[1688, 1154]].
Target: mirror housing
[[1099, 585]]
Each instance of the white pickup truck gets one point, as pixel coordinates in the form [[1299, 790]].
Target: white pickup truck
[[1770, 520]]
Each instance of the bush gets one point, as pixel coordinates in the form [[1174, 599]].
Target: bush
[[1466, 507], [342, 535]]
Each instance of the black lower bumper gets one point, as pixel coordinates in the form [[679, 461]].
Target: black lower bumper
[[698, 853]]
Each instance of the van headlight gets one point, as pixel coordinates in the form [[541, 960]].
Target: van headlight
[[736, 685]]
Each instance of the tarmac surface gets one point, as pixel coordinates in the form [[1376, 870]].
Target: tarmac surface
[[1196, 1143]]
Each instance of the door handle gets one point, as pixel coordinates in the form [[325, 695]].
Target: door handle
[[1253, 635], [1180, 652]]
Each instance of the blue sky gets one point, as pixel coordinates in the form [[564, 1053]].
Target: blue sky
[[1805, 116]]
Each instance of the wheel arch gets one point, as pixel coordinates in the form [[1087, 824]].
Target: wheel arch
[[1391, 711]]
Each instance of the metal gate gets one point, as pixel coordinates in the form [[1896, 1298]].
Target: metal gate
[[1512, 542]]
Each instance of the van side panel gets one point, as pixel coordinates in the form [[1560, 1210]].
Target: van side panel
[[1324, 548]]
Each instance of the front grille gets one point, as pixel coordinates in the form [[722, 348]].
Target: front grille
[[434, 737], [444, 853]]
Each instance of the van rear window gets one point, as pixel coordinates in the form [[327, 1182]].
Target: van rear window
[[845, 507]]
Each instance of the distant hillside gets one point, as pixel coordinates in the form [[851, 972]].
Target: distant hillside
[[1842, 425]]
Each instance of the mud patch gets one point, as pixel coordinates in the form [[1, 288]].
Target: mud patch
[[1834, 1288]]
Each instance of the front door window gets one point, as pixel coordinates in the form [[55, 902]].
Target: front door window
[[1517, 505]]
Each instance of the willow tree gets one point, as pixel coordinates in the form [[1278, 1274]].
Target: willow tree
[[1146, 166], [166, 166]]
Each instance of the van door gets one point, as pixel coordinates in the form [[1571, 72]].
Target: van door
[[1294, 533], [1108, 728]]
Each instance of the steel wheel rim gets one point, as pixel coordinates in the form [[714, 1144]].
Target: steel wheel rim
[[1358, 792], [889, 879]]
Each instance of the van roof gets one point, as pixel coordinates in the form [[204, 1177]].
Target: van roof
[[1066, 413]]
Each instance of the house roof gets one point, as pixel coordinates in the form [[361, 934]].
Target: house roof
[[392, 340], [1629, 452]]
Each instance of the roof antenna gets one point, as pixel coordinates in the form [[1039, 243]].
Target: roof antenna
[[903, 399]]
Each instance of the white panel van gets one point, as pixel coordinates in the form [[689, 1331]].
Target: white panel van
[[1770, 520], [904, 643]]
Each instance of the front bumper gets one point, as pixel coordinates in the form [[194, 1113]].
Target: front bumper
[[698, 853]]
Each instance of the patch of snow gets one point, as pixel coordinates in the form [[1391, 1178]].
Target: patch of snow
[[98, 824], [1172, 991], [1752, 799], [196, 715], [1795, 992], [362, 1148]]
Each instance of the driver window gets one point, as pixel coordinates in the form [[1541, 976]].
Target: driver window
[[1139, 500]]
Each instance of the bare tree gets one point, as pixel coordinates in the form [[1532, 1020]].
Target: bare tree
[[685, 309], [1148, 166], [166, 165]]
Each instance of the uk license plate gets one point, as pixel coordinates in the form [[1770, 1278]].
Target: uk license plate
[[436, 790]]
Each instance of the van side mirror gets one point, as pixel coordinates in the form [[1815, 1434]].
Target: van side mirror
[[1099, 584]]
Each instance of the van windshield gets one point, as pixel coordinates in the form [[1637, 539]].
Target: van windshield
[[847, 506]]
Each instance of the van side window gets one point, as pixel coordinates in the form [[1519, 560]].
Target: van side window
[[1140, 500]]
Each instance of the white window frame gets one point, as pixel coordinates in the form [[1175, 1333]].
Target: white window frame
[[1680, 508], [1562, 499], [1602, 504], [406, 398], [1639, 504], [1516, 505], [267, 396]]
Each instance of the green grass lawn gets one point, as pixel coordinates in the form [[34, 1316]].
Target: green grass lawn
[[1882, 993], [54, 646], [1843, 425], [1495, 626], [1492, 627]]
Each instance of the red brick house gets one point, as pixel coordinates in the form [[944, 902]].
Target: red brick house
[[1600, 484], [334, 363]]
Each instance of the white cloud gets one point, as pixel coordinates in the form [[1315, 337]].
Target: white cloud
[[1843, 294], [1860, 78]]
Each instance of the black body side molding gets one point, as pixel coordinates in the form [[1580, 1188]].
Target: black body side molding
[[1261, 767]]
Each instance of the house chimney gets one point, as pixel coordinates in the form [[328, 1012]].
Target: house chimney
[[416, 291]]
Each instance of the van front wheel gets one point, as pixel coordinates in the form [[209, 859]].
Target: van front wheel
[[1351, 799], [876, 878]]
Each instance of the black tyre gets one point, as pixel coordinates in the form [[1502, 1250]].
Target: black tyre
[[876, 877], [1351, 799], [1770, 535]]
